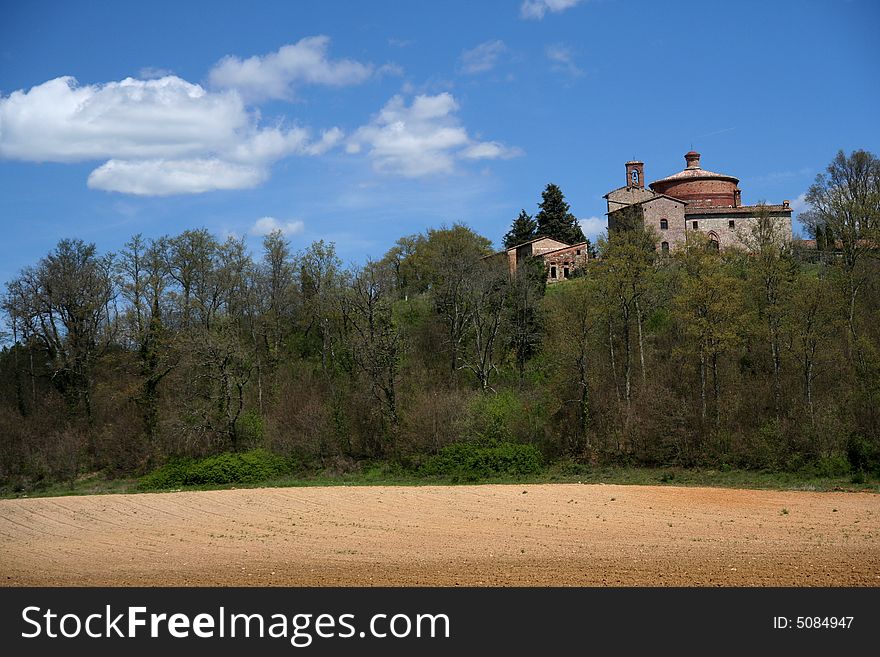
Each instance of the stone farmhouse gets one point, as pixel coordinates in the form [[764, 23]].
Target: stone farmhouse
[[693, 199], [560, 259]]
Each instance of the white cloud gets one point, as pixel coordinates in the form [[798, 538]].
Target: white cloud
[[60, 121], [167, 177], [266, 225], [563, 59], [799, 204], [535, 9], [482, 58], [490, 150], [593, 226], [276, 75], [423, 138], [162, 136]]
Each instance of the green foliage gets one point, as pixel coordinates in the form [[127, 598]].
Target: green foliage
[[252, 467], [495, 417], [863, 456], [251, 427], [555, 219], [473, 461], [522, 230]]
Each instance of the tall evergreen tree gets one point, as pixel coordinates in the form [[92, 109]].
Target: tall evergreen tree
[[522, 230], [554, 218]]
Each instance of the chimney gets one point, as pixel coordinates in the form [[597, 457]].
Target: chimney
[[737, 197], [786, 204], [635, 174], [693, 159]]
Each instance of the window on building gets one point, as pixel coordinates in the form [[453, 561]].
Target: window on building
[[731, 223], [565, 272], [713, 244], [664, 224], [635, 176], [577, 252], [552, 272], [696, 225], [664, 248]]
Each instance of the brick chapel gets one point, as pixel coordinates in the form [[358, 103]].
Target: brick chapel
[[693, 199]]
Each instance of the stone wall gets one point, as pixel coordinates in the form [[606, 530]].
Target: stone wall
[[561, 263], [731, 227]]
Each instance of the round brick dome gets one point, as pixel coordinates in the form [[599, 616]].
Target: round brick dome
[[698, 187]]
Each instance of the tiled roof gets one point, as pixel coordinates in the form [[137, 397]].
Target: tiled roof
[[546, 253], [694, 173], [740, 209]]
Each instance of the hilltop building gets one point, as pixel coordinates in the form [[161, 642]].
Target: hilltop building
[[693, 199], [560, 259]]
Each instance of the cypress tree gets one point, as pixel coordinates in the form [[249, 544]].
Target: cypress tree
[[521, 230], [555, 219]]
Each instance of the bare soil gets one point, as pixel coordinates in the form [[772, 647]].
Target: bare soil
[[511, 535]]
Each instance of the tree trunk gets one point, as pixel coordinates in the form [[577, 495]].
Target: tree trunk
[[808, 389], [777, 367], [613, 361], [627, 362], [716, 388], [703, 384], [641, 342]]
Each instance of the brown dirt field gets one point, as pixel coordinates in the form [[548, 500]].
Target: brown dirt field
[[525, 535]]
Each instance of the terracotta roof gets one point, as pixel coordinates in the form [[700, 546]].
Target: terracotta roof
[[537, 239], [651, 191], [649, 200], [740, 209], [546, 253], [516, 246], [694, 173]]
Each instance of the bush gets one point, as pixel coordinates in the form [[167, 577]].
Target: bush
[[863, 455], [251, 467], [472, 461]]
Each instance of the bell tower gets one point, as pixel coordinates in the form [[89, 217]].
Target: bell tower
[[635, 174]]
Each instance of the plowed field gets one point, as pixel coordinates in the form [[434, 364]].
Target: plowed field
[[583, 535]]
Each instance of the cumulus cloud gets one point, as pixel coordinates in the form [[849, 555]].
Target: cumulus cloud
[[159, 136], [425, 137], [167, 177], [60, 121], [266, 225], [800, 204], [482, 58], [277, 74], [535, 9], [593, 226]]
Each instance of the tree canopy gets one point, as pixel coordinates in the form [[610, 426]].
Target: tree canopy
[[555, 219]]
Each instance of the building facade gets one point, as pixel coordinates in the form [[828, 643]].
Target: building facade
[[692, 200], [560, 259]]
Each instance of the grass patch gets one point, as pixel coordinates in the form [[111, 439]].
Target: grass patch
[[273, 471]]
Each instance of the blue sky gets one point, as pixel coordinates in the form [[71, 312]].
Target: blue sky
[[359, 122]]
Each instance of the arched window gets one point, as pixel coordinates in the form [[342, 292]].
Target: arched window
[[635, 176], [664, 224], [713, 242], [664, 248]]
